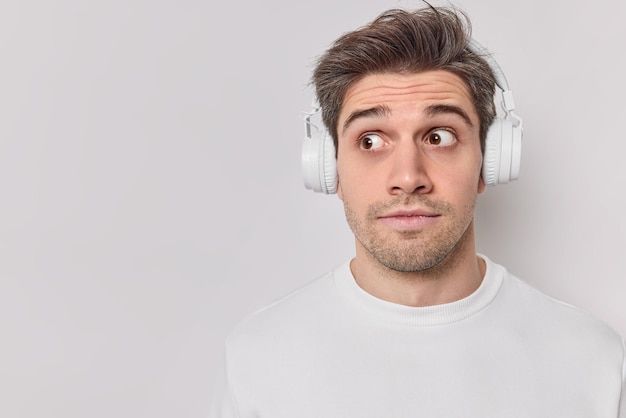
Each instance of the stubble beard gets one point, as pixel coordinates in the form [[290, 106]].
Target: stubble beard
[[416, 250]]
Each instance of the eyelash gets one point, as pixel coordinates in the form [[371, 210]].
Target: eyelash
[[364, 136], [447, 130]]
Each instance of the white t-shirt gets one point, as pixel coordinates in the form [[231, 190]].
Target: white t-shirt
[[332, 350]]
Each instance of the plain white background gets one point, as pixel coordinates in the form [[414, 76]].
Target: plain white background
[[151, 192]]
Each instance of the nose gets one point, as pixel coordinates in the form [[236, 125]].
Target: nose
[[408, 172]]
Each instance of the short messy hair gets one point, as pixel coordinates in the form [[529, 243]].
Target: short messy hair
[[401, 41]]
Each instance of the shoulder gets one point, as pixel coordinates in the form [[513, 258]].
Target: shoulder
[[558, 322], [301, 310]]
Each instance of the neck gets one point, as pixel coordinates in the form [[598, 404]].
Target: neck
[[455, 277]]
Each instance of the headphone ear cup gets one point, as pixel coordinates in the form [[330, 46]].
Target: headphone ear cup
[[319, 165], [491, 155], [503, 152], [516, 151]]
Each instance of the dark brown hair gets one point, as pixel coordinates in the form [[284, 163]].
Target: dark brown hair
[[433, 38]]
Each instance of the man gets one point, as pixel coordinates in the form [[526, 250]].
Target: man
[[416, 324]]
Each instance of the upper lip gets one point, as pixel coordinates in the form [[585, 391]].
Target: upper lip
[[408, 212]]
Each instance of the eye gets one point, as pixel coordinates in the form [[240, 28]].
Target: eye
[[440, 138], [371, 142]]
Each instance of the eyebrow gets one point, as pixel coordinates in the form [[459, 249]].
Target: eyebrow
[[385, 111], [443, 109], [372, 112]]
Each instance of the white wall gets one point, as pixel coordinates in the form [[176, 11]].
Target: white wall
[[150, 191]]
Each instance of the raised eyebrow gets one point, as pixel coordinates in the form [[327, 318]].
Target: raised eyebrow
[[442, 109], [372, 112]]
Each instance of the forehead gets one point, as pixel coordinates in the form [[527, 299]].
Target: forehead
[[408, 89]]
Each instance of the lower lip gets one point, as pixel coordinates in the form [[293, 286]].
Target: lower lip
[[409, 222]]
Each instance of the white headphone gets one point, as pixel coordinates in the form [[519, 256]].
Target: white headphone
[[501, 159]]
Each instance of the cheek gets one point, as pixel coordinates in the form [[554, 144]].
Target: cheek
[[348, 187], [458, 181]]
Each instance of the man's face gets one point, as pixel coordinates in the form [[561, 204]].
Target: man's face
[[409, 165]]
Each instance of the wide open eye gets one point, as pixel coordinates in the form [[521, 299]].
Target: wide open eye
[[440, 137], [370, 142]]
